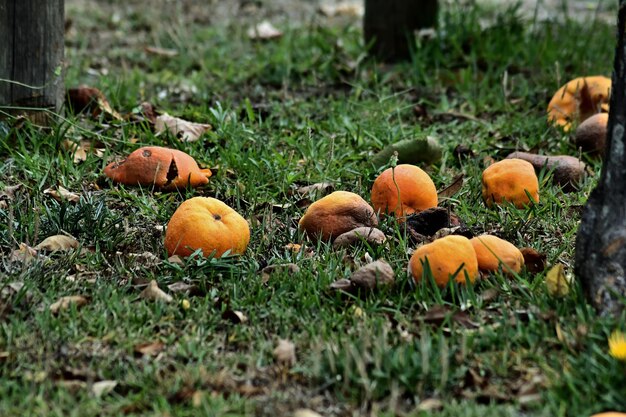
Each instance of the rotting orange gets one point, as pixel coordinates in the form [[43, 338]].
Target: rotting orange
[[164, 168], [208, 224], [510, 180], [403, 190], [450, 257], [591, 134], [610, 414], [491, 252], [335, 214], [578, 100]]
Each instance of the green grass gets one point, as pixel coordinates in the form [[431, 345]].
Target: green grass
[[302, 109]]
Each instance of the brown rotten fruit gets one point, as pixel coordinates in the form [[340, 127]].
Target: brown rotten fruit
[[335, 214]]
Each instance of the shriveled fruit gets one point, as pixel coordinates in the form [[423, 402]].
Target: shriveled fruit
[[451, 257], [567, 171], [491, 252], [164, 168], [208, 224], [590, 135], [578, 100], [510, 180], [403, 190], [335, 214]]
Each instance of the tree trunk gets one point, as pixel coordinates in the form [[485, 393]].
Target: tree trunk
[[31, 54], [601, 240], [388, 26]]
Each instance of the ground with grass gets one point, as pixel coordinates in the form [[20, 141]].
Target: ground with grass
[[302, 109]]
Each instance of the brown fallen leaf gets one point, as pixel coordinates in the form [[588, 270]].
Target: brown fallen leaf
[[285, 353], [305, 412], [25, 254], [267, 272], [80, 150], [370, 235], [234, 316], [374, 275], [264, 31], [182, 129], [101, 388], [184, 288], [430, 404], [451, 189], [343, 8], [8, 194], [438, 314], [153, 292], [155, 50], [56, 243], [62, 194], [84, 98], [64, 303], [534, 261], [320, 189], [149, 348]]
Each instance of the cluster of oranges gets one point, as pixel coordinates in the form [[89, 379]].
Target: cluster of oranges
[[405, 190], [211, 226]]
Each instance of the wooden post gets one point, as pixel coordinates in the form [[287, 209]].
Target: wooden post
[[388, 26], [31, 54], [601, 240]]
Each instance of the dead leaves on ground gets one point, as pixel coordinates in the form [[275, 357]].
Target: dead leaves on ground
[[65, 303], [182, 129]]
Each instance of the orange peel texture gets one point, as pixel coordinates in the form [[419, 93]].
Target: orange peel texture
[[510, 180], [403, 190], [578, 100], [208, 224], [163, 168], [451, 257]]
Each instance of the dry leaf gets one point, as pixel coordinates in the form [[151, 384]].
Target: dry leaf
[[430, 404], [451, 189], [155, 50], [319, 189], [56, 243], [264, 31], [62, 194], [534, 261], [101, 388], [285, 353], [234, 316], [558, 284], [149, 349], [153, 292], [177, 260], [305, 412], [374, 275], [183, 287], [81, 149], [24, 254], [371, 235], [8, 194], [182, 129], [91, 99], [64, 303], [345, 8], [267, 272]]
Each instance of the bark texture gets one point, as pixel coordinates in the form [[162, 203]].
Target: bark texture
[[601, 240], [31, 53], [388, 26]]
